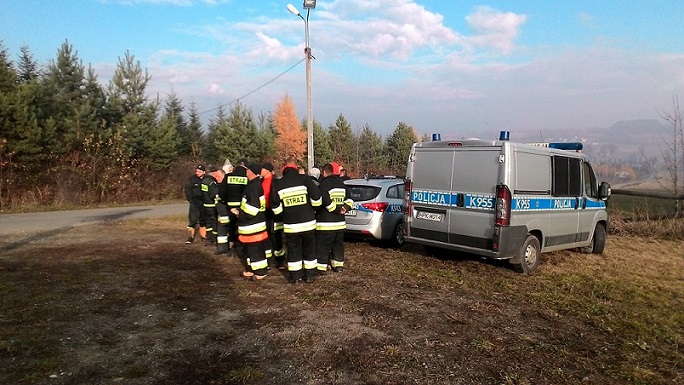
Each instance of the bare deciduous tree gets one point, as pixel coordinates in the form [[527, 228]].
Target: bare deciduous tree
[[673, 156]]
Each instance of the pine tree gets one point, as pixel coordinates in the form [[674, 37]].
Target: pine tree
[[342, 141], [173, 114], [8, 75], [268, 135], [27, 68], [96, 105], [195, 135], [131, 111], [323, 152], [162, 143], [65, 83], [238, 138], [398, 146], [211, 152], [370, 152]]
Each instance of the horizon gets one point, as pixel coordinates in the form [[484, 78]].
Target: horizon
[[437, 66]]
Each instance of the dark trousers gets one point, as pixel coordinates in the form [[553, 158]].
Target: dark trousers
[[196, 215], [222, 227], [329, 248], [233, 230], [276, 236], [301, 254], [210, 212], [256, 257]]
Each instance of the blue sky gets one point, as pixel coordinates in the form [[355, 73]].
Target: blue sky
[[448, 66]]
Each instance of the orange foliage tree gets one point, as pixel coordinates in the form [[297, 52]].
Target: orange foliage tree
[[291, 139]]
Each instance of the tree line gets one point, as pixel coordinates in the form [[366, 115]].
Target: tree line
[[67, 139]]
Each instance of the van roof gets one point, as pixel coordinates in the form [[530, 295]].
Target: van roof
[[474, 142]]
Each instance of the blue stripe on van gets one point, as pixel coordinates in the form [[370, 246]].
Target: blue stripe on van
[[552, 203], [488, 202]]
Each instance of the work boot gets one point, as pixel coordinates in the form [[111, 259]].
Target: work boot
[[295, 277], [309, 275], [191, 235], [203, 232]]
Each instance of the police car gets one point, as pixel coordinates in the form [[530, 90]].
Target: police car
[[378, 209]]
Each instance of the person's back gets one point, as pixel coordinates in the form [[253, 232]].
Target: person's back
[[296, 197], [330, 221]]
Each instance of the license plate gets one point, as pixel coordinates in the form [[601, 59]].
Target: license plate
[[350, 213], [436, 217]]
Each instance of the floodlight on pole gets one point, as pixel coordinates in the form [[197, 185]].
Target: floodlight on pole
[[308, 5]]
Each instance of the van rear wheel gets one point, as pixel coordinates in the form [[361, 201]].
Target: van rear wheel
[[529, 255]]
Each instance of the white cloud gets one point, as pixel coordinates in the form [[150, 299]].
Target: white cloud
[[495, 29], [215, 89]]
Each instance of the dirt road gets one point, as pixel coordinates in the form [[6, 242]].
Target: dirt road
[[51, 221]]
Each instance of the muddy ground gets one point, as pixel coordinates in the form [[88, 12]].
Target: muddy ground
[[130, 303]]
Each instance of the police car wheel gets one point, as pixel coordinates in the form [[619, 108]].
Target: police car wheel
[[529, 255], [398, 236]]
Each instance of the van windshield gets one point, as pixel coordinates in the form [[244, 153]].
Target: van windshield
[[363, 193]]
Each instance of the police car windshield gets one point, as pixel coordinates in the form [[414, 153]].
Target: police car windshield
[[363, 193]]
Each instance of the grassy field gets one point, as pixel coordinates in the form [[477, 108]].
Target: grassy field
[[129, 303], [641, 207]]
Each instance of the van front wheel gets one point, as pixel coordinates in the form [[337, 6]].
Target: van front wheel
[[598, 241], [529, 255]]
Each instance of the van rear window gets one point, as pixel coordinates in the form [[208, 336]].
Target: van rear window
[[363, 193], [476, 170]]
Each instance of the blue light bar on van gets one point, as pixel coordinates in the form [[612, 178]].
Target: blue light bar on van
[[572, 146], [436, 137]]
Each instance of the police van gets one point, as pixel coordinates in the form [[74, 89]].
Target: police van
[[504, 200]]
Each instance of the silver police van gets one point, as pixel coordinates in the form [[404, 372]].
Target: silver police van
[[504, 200]]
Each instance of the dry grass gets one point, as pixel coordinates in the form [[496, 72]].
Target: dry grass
[[130, 303], [668, 228]]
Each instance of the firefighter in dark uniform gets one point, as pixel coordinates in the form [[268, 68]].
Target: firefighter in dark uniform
[[251, 225], [235, 183], [193, 193], [209, 196], [330, 223], [222, 211], [297, 197]]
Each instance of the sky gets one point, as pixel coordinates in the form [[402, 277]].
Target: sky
[[454, 67]]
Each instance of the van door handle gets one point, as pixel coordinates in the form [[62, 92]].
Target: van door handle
[[460, 200]]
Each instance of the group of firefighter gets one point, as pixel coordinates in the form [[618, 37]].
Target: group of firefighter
[[293, 221]]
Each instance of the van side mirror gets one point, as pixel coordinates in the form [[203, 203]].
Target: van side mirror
[[604, 191]]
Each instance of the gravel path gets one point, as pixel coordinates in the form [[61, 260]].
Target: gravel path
[[32, 223]]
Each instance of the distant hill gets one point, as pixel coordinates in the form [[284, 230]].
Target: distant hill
[[624, 140]]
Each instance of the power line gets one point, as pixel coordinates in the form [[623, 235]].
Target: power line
[[254, 90]]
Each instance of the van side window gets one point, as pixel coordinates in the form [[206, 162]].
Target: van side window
[[567, 177], [590, 185]]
